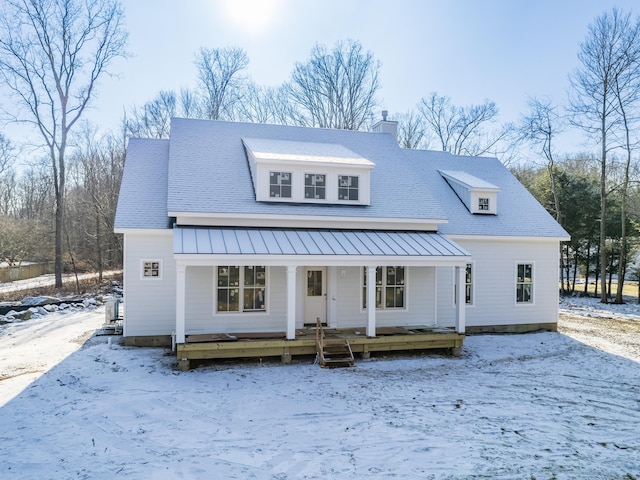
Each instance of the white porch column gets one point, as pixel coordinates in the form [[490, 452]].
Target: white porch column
[[291, 302], [180, 302], [371, 301], [461, 297]]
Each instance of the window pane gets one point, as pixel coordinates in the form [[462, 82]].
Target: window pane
[[261, 276], [253, 299], [223, 300], [234, 298], [234, 276], [223, 276], [314, 283], [249, 276], [390, 298], [400, 297]]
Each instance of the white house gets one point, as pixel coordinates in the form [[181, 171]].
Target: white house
[[237, 227]]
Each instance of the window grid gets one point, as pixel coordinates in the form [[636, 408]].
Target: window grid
[[280, 185], [469, 284], [151, 269], [241, 289], [391, 281], [315, 186], [347, 187], [483, 204], [524, 283]]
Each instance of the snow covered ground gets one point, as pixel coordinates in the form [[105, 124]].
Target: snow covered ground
[[536, 406]]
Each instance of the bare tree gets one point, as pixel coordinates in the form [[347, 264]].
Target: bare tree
[[605, 55], [7, 154], [412, 131], [626, 88], [97, 164], [153, 119], [221, 80], [540, 127], [335, 89], [462, 130], [52, 54], [188, 104]]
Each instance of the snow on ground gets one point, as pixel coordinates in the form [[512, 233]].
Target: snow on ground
[[530, 406], [48, 280], [592, 307]]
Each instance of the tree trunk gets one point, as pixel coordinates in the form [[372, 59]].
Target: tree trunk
[[603, 216], [587, 269]]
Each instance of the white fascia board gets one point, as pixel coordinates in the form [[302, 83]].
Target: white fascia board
[[330, 165], [303, 221], [322, 260], [458, 177], [144, 231], [506, 238]]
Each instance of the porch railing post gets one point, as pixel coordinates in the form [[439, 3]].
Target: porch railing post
[[460, 275], [291, 302], [180, 302], [371, 301]]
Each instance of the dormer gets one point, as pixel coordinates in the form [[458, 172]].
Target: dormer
[[307, 172], [480, 197]]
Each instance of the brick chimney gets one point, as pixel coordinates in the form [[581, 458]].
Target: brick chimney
[[386, 126]]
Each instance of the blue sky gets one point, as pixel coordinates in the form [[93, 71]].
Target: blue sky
[[470, 50]]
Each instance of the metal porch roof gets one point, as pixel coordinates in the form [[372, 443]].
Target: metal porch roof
[[263, 241]]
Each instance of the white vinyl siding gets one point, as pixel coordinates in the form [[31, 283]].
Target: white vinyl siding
[[494, 278], [150, 303]]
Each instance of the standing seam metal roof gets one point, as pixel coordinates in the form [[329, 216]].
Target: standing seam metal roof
[[240, 241]]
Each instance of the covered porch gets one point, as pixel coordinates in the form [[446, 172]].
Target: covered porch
[[312, 276]]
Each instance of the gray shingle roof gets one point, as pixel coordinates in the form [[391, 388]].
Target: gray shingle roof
[[142, 202], [208, 172]]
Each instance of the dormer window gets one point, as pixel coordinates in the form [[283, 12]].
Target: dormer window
[[306, 172], [479, 196], [347, 187], [315, 186], [280, 185]]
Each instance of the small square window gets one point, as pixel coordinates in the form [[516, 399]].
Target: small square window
[[483, 204], [280, 185], [151, 269], [347, 187], [314, 186]]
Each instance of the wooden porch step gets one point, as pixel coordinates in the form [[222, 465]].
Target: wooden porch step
[[336, 355]]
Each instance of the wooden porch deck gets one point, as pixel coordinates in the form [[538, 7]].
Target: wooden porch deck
[[275, 344]]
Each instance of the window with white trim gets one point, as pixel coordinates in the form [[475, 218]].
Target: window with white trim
[[524, 283], [280, 184], [241, 289], [347, 187], [315, 186], [151, 269], [468, 284], [390, 288], [483, 204]]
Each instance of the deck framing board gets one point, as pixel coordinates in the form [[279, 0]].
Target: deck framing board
[[247, 348]]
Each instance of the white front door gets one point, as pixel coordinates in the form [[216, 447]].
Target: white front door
[[315, 301]]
